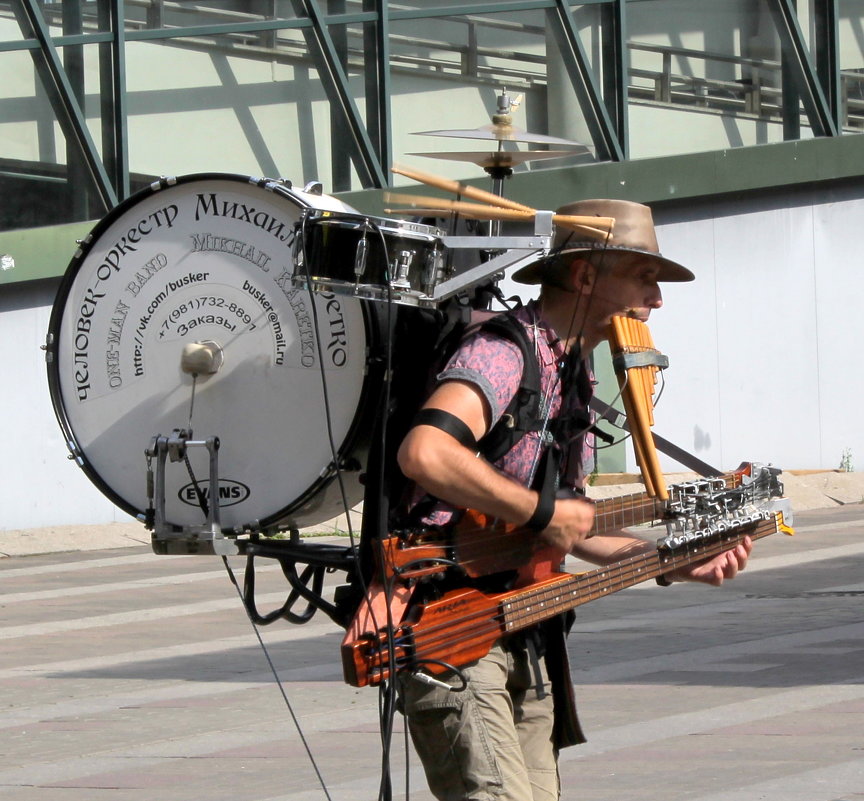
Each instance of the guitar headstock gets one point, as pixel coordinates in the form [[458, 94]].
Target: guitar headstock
[[751, 490]]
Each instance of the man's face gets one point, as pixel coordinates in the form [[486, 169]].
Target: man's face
[[626, 284]]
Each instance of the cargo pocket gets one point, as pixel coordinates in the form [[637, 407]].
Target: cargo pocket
[[452, 740]]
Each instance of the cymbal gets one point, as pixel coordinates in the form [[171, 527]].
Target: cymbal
[[502, 158], [502, 132]]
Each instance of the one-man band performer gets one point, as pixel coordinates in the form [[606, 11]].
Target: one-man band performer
[[499, 737]]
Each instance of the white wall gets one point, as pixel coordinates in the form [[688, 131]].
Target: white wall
[[763, 344], [39, 486]]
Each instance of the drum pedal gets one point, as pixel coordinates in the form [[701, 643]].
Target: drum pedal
[[206, 538]]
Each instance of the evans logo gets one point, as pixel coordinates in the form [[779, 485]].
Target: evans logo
[[230, 492]]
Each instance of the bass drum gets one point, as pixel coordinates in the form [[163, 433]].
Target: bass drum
[[208, 258]]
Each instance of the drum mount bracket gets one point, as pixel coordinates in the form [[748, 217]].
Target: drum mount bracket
[[209, 538]]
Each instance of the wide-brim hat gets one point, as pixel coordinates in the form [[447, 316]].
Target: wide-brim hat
[[632, 232]]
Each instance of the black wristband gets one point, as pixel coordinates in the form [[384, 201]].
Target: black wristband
[[663, 581], [543, 513]]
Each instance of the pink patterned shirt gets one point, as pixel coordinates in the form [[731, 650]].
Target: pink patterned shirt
[[494, 366]]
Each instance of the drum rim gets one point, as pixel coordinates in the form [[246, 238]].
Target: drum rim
[[324, 217], [373, 323]]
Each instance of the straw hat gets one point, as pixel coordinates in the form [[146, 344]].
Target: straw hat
[[633, 232]]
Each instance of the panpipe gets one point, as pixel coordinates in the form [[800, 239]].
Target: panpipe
[[637, 362]]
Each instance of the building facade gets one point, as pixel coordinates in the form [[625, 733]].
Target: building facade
[[737, 121]]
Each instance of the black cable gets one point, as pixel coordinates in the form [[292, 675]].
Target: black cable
[[388, 689], [278, 680]]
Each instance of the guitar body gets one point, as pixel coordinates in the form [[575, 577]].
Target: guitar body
[[485, 546]]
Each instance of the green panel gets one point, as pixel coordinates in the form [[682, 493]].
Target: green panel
[[676, 177], [40, 252], [612, 458], [45, 252]]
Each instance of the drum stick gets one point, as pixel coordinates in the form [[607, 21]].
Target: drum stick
[[458, 188], [434, 206]]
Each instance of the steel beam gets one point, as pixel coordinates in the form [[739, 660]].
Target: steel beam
[[801, 68], [826, 43], [66, 107], [603, 132], [335, 82]]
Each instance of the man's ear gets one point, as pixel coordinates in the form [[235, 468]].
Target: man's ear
[[583, 274]]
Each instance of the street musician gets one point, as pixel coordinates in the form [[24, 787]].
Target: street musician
[[499, 737]]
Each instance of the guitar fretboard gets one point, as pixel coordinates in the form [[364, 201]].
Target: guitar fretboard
[[532, 605]]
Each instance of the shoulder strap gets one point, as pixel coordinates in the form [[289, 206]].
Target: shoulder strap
[[522, 413]]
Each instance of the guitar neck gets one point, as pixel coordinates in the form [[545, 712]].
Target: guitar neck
[[481, 545], [611, 514], [523, 608]]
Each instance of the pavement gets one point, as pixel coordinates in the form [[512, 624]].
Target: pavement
[[127, 676], [806, 489]]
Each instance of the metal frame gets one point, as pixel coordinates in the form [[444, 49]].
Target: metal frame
[[801, 71], [67, 109], [814, 81]]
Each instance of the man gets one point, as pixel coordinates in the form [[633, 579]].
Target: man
[[497, 738]]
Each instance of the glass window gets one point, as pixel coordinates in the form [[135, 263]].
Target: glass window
[[161, 15], [447, 77], [851, 56], [46, 174], [213, 105], [703, 76]]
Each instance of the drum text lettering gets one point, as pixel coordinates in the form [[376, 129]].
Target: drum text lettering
[[115, 327], [112, 368], [83, 327], [111, 262], [337, 347], [138, 358], [210, 205], [272, 318], [224, 244], [143, 275]]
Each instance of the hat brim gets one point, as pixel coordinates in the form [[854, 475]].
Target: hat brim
[[668, 270]]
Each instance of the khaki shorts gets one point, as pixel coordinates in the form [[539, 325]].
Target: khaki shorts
[[493, 740]]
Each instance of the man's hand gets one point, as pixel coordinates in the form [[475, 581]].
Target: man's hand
[[716, 570], [571, 523]]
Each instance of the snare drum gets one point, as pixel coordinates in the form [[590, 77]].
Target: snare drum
[[209, 258], [369, 257]]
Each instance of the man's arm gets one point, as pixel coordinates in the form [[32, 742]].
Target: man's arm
[[606, 549], [450, 471]]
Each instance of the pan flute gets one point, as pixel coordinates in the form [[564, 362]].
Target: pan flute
[[637, 364]]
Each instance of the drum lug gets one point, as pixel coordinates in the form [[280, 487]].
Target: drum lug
[[401, 265], [432, 271], [75, 454]]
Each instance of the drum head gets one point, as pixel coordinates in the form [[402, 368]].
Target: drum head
[[208, 258]]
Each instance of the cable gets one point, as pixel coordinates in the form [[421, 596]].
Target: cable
[[278, 681], [387, 693]]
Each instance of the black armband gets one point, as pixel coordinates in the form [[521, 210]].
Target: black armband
[[449, 424]]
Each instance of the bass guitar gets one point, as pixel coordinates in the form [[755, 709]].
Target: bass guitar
[[479, 546], [462, 625]]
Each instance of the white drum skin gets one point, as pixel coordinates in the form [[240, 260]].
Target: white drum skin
[[208, 258]]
